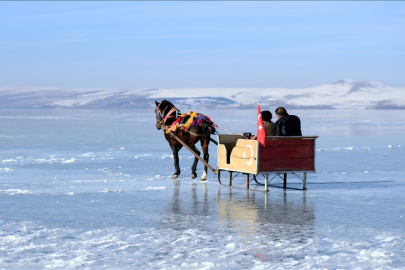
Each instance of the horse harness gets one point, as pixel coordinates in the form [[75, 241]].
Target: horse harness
[[162, 123]]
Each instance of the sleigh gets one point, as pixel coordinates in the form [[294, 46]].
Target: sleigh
[[280, 156]]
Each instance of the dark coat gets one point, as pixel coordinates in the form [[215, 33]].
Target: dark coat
[[270, 128], [289, 125]]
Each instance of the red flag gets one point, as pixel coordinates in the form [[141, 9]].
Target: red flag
[[261, 133]]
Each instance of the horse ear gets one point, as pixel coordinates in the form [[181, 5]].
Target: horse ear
[[157, 103]]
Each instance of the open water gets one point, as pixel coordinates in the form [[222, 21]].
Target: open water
[[93, 190]]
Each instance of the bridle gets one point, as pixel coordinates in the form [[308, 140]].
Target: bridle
[[160, 115]]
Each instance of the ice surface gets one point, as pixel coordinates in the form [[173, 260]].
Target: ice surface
[[93, 189]]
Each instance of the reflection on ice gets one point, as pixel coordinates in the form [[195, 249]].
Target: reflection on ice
[[250, 228], [251, 216]]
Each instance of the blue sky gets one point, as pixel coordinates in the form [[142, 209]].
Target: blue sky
[[200, 44]]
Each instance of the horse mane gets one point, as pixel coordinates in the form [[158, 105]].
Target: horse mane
[[167, 103]]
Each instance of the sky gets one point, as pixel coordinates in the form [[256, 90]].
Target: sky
[[134, 44]]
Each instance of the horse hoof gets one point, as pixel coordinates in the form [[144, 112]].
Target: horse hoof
[[204, 176], [175, 176], [193, 176]]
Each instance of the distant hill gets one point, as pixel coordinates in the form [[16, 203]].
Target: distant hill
[[341, 94]]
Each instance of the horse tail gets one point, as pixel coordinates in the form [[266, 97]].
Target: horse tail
[[208, 127]]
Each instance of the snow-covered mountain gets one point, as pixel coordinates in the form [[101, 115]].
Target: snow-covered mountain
[[341, 94]]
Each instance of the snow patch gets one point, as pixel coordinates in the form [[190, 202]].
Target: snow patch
[[143, 156], [8, 160], [5, 136], [6, 169], [154, 188], [72, 160], [16, 192]]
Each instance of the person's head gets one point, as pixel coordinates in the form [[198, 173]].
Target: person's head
[[266, 115], [280, 112]]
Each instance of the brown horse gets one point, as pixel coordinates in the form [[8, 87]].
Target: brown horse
[[166, 114]]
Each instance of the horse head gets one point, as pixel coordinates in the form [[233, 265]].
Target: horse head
[[158, 116], [161, 111]]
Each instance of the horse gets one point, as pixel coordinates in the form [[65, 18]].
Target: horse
[[190, 129]]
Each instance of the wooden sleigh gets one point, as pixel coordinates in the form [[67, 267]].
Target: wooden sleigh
[[281, 155]]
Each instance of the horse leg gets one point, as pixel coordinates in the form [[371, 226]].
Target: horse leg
[[194, 167], [176, 149], [204, 146]]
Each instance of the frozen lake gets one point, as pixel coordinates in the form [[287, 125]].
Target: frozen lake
[[93, 189]]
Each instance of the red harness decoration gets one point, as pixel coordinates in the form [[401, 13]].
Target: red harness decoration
[[168, 115]]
